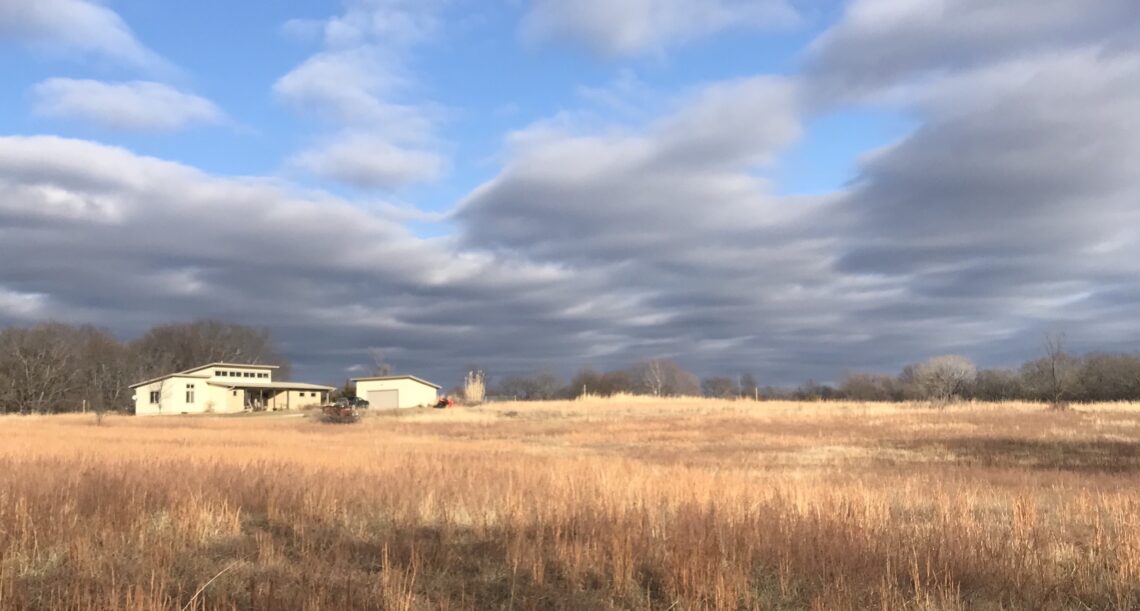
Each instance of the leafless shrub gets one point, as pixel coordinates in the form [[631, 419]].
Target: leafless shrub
[[945, 377], [475, 387]]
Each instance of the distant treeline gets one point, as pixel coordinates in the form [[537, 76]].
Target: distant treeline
[[55, 367], [659, 377], [1057, 377]]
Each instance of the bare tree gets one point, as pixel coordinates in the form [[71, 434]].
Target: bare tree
[[945, 377], [870, 387], [586, 382], [38, 368], [998, 385], [177, 347], [664, 377], [540, 386], [653, 375], [1107, 377], [720, 387], [380, 365], [748, 386], [1053, 376]]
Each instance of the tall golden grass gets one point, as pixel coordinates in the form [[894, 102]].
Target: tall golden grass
[[664, 504]]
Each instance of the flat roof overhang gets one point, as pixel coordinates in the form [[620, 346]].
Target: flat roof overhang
[[274, 386]]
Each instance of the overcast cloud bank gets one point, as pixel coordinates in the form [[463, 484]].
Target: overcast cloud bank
[[1009, 210]]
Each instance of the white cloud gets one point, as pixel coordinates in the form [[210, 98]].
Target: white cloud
[[76, 27], [359, 82], [18, 305], [130, 106], [395, 23], [369, 162], [632, 27]]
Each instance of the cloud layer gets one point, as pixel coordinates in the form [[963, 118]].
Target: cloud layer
[[1009, 209]]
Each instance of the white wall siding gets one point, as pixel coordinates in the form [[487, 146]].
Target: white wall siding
[[172, 397], [412, 392]]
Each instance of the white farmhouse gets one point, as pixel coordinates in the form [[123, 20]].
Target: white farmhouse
[[223, 388], [391, 392]]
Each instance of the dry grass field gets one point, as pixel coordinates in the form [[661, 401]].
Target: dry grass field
[[628, 504]]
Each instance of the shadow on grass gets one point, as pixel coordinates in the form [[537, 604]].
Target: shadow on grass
[[1094, 456]]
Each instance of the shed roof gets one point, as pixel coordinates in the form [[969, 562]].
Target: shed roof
[[405, 377]]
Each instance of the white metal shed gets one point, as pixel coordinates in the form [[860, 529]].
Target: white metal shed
[[395, 392]]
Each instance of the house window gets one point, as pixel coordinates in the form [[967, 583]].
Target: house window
[[235, 393], [218, 374], [189, 393], [154, 397], [248, 374], [263, 375]]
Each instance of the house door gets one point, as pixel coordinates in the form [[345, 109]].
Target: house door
[[383, 399]]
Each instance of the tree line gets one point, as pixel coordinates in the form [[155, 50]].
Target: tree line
[[57, 367], [653, 377], [1057, 377]]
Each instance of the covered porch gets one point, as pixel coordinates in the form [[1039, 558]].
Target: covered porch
[[274, 396]]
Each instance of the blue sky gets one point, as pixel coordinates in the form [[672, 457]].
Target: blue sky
[[484, 78], [789, 188]]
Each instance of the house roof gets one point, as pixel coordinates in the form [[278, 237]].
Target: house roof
[[273, 385], [169, 375], [224, 364], [186, 373], [375, 378]]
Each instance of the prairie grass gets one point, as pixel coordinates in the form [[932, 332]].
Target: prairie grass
[[598, 504]]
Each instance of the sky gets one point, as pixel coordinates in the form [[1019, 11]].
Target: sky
[[789, 188]]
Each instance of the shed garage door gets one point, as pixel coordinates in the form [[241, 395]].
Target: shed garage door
[[383, 399]]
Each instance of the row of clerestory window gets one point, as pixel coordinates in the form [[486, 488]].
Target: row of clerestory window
[[221, 373]]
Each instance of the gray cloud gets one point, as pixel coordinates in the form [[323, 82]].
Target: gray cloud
[[1025, 202], [880, 43], [687, 170], [110, 237], [641, 26]]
